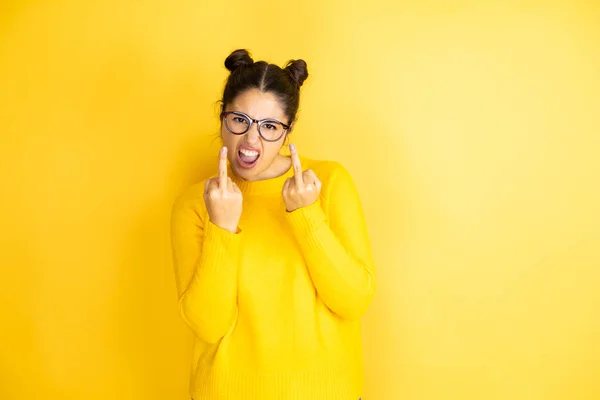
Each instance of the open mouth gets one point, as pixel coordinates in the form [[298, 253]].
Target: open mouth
[[247, 157]]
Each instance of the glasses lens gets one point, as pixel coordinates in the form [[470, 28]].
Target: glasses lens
[[237, 124], [271, 130]]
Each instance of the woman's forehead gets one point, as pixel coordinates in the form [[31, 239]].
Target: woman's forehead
[[258, 105]]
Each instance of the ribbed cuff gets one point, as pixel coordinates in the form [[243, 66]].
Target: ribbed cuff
[[306, 219], [220, 245]]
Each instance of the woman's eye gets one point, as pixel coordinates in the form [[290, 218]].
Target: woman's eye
[[240, 120], [270, 126]]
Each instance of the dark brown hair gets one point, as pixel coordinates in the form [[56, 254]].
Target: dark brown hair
[[284, 82]]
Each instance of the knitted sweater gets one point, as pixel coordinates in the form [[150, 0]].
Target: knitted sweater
[[276, 307]]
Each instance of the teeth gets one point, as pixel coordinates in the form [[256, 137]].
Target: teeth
[[249, 153]]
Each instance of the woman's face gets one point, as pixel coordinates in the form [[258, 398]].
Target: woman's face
[[251, 157]]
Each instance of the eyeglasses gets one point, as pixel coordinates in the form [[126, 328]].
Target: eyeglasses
[[239, 123]]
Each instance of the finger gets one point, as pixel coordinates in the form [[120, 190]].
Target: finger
[[211, 186], [309, 177], [229, 184], [286, 186], [318, 183], [223, 168], [296, 165], [210, 183]]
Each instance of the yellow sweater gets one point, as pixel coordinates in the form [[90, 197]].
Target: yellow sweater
[[276, 307]]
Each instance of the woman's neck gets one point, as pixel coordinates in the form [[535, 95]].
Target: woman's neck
[[270, 181], [279, 166]]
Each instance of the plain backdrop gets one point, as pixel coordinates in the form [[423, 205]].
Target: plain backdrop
[[471, 129]]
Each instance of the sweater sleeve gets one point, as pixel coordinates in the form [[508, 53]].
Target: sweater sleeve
[[337, 249], [205, 259]]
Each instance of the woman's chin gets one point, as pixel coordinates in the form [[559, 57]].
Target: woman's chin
[[247, 174]]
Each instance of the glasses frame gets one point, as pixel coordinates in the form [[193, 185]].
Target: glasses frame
[[224, 114]]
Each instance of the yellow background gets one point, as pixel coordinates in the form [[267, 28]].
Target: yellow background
[[471, 129]]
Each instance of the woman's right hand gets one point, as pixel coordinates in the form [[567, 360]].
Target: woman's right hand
[[223, 198]]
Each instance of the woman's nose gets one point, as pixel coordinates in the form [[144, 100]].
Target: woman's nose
[[253, 135]]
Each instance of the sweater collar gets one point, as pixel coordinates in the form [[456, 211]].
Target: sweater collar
[[264, 186]]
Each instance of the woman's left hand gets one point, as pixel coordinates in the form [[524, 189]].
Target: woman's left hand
[[303, 189]]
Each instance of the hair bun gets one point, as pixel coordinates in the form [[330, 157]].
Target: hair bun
[[237, 59], [297, 70]]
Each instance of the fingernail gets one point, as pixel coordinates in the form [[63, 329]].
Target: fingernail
[[292, 146], [223, 150]]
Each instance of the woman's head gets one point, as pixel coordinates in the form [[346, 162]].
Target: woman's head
[[258, 91]]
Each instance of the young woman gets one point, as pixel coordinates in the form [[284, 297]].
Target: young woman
[[272, 258]]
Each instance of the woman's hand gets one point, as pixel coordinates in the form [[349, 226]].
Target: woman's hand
[[303, 189], [223, 198]]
